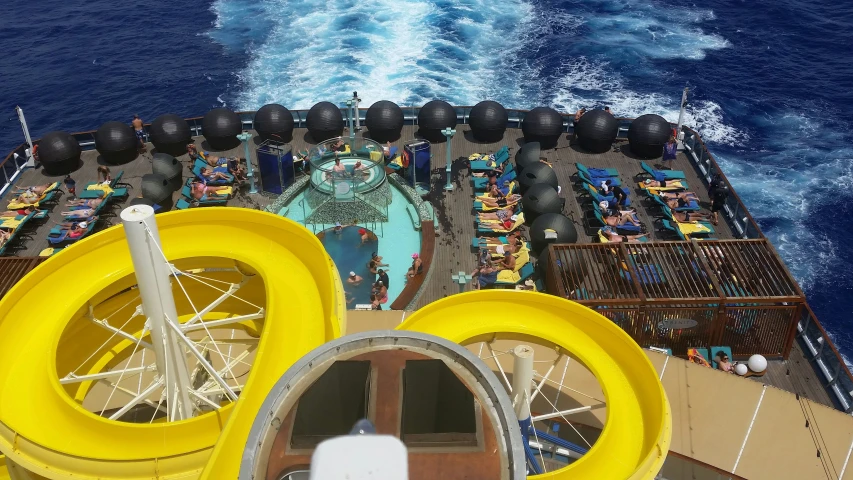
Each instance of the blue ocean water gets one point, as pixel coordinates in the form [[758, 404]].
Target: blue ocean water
[[770, 81]]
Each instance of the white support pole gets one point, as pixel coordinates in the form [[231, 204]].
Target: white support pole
[[30, 160], [522, 379], [681, 116], [158, 305]]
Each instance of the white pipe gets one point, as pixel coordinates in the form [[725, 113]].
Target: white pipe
[[562, 413], [681, 115], [522, 378], [26, 129], [158, 304]]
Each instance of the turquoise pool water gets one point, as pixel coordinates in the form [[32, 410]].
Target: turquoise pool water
[[398, 240]]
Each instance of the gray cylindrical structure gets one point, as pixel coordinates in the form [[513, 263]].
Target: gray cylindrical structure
[[539, 199], [648, 134], [488, 121], [537, 173], [384, 121], [528, 154], [170, 134], [59, 153], [168, 166], [274, 122], [434, 117], [543, 125], [324, 121], [220, 127], [496, 406], [117, 143], [549, 224], [156, 187], [596, 131]]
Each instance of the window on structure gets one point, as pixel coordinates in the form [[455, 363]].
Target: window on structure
[[331, 406], [438, 409]]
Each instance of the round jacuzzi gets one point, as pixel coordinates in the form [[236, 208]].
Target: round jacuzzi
[[345, 166]]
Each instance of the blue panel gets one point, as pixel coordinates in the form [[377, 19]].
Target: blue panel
[[270, 170], [287, 169]]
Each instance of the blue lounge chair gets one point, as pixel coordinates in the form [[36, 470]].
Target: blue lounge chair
[[57, 236], [596, 181], [508, 175], [501, 156], [597, 172], [628, 227], [512, 186], [661, 175], [715, 351], [197, 172], [692, 206], [646, 274], [187, 193], [603, 198]]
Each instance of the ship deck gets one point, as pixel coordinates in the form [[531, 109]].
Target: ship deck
[[455, 219]]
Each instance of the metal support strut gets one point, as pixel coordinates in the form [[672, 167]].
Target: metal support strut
[[158, 305]]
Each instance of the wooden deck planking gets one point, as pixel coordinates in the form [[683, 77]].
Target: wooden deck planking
[[797, 375]]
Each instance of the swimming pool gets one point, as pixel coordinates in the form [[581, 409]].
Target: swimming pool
[[398, 240], [351, 256]]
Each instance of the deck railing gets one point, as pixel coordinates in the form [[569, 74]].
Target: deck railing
[[830, 362]]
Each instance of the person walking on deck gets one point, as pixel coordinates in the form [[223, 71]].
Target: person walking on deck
[[140, 132]]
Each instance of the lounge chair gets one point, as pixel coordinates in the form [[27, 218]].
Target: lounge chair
[[597, 172], [628, 227], [691, 206], [113, 183], [206, 200], [661, 175], [596, 181], [508, 175], [45, 198], [698, 356], [685, 231], [57, 236], [506, 189], [506, 277], [101, 191], [646, 274], [53, 186], [501, 156], [603, 239], [492, 228], [603, 198], [478, 205]]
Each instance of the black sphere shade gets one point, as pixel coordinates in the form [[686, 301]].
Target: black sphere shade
[[488, 121], [116, 142], [543, 125], [434, 117], [59, 153], [539, 199], [596, 131], [170, 134], [274, 122], [537, 173], [561, 226], [528, 154], [221, 127], [156, 187], [384, 121], [168, 166], [325, 121], [648, 134]]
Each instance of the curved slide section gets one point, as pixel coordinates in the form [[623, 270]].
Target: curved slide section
[[638, 429], [46, 431]]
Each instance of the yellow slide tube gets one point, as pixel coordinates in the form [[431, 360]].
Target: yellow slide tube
[[44, 430], [638, 428]]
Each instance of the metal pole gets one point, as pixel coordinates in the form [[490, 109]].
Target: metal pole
[[349, 122], [522, 379], [31, 162], [356, 101], [678, 132], [250, 172], [158, 305], [448, 132]]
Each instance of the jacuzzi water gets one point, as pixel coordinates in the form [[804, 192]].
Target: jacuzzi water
[[398, 240]]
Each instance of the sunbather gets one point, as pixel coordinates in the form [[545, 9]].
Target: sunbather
[[93, 203], [211, 160], [37, 189], [501, 215], [723, 363], [4, 237], [20, 211], [684, 217], [200, 191], [483, 276], [617, 218], [507, 263], [236, 168], [104, 173], [84, 213], [28, 197], [662, 184], [212, 176], [614, 237], [499, 202], [354, 279], [76, 229], [338, 146], [686, 196], [417, 266]]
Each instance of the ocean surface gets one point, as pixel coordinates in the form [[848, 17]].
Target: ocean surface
[[770, 81]]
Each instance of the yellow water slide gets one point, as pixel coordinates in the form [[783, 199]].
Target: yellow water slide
[[47, 330], [638, 429]]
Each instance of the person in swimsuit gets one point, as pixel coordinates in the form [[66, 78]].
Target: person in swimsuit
[[577, 119], [723, 362], [20, 211], [200, 191], [4, 237], [670, 151], [614, 237], [417, 266], [77, 214], [617, 218], [93, 203], [339, 169], [236, 168], [104, 172], [507, 263], [212, 176], [382, 292], [383, 277], [37, 189], [485, 275], [684, 217], [364, 235], [607, 189], [354, 279], [29, 197], [338, 146], [499, 202], [501, 215], [374, 303], [140, 132]]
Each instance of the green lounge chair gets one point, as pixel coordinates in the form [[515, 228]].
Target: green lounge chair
[[501, 156], [597, 172], [187, 193], [524, 273], [715, 351], [661, 175]]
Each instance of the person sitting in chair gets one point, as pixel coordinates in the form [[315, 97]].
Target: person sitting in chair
[[501, 215], [614, 237], [37, 189], [93, 203], [723, 363], [617, 218], [507, 263]]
